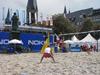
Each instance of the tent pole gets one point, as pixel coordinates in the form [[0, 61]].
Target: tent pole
[[97, 45]]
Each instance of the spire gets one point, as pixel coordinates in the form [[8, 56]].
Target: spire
[[32, 6], [7, 20], [69, 12], [65, 11], [32, 9]]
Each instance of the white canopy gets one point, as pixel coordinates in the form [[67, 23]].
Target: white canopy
[[89, 39], [74, 39], [68, 41], [99, 40]]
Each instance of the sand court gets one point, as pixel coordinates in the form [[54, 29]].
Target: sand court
[[72, 63]]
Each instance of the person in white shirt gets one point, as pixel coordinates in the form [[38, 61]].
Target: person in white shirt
[[47, 54]]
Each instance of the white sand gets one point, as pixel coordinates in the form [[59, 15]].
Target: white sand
[[66, 64]]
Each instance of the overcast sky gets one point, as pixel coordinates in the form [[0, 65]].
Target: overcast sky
[[50, 7], [57, 6]]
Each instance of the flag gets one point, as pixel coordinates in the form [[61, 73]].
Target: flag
[[24, 16], [46, 43], [36, 9], [57, 39], [41, 16], [51, 21], [36, 18], [3, 13]]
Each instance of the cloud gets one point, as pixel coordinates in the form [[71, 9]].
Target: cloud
[[50, 7], [14, 4], [75, 5]]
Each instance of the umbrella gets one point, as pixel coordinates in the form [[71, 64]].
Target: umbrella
[[14, 44], [15, 41]]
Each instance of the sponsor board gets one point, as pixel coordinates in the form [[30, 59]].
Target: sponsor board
[[34, 41]]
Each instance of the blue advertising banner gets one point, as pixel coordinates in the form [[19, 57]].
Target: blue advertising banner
[[75, 49], [4, 38], [34, 41]]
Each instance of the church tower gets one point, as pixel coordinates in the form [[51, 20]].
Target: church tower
[[32, 11]]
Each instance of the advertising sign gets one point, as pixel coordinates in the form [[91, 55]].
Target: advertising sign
[[34, 41], [4, 38]]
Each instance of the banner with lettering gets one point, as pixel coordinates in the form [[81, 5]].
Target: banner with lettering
[[34, 41], [4, 39]]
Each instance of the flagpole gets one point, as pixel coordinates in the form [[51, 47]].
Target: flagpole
[[3, 14], [47, 19], [41, 16], [23, 16], [51, 21]]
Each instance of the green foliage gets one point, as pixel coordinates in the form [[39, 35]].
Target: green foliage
[[62, 24], [96, 27], [97, 34], [87, 25]]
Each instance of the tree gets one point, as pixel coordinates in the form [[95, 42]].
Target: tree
[[96, 27], [87, 25], [97, 34], [62, 24]]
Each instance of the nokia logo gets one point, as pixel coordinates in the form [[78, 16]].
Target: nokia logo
[[4, 41], [35, 42]]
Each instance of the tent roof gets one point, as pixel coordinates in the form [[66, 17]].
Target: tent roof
[[99, 40], [74, 39], [68, 41], [89, 38]]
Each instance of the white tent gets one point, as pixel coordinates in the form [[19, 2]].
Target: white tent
[[68, 41], [89, 39], [74, 39]]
